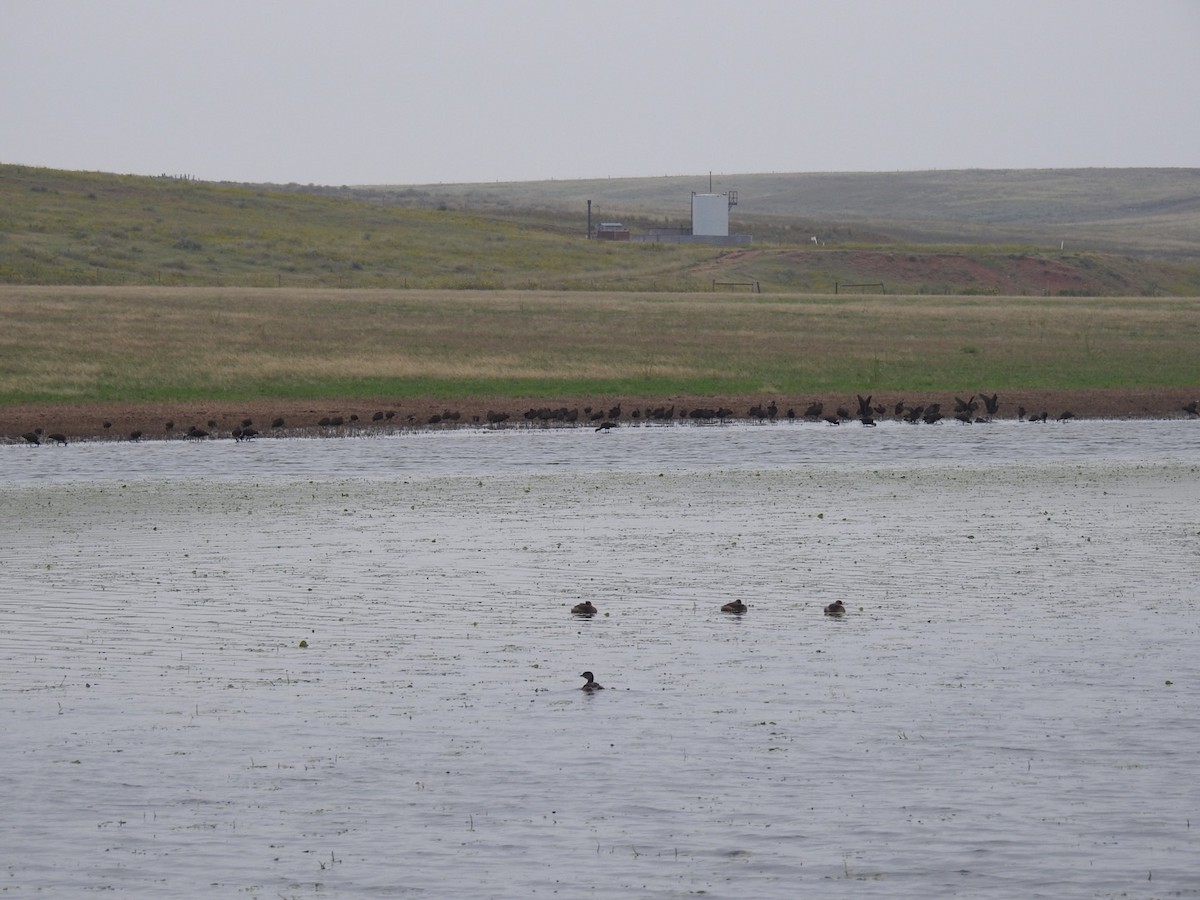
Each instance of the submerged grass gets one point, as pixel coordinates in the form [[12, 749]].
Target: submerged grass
[[79, 344]]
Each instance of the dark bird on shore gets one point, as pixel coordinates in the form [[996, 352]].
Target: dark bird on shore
[[867, 420], [964, 417], [931, 417], [898, 409], [836, 608], [842, 412], [195, 432], [212, 423], [814, 410], [991, 404], [1042, 418], [592, 684], [60, 439], [390, 414], [31, 438], [791, 413], [135, 435], [967, 406], [914, 414], [496, 417], [277, 423], [170, 426], [734, 606], [615, 412], [1020, 414], [586, 608], [1192, 409], [377, 417], [864, 405], [605, 426], [247, 422], [107, 424], [1065, 415], [833, 420]]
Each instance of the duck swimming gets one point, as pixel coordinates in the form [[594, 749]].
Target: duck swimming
[[835, 609], [734, 606], [586, 608], [592, 684]]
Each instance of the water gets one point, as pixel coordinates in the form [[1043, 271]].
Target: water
[[1007, 709]]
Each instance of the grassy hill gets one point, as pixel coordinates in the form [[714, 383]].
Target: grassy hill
[[1152, 212], [1126, 232]]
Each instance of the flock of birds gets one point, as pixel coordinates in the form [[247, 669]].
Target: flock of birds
[[587, 609], [977, 408]]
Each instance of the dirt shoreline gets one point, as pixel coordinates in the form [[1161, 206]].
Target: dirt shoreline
[[118, 421]]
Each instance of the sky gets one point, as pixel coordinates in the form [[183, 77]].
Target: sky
[[362, 92]]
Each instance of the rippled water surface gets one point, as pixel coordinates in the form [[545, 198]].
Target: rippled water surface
[[1008, 708]]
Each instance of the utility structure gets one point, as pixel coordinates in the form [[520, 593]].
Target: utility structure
[[710, 213]]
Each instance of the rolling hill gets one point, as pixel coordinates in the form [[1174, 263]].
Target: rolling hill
[[1069, 232]]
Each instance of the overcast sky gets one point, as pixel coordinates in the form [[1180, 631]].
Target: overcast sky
[[405, 92]]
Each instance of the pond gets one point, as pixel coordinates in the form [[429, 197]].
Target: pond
[[347, 668]]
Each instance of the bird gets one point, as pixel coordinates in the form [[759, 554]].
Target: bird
[[991, 404], [586, 608], [135, 435], [966, 406], [605, 426], [32, 438], [1067, 414], [836, 608], [734, 606], [592, 684], [60, 439], [1192, 409], [277, 423]]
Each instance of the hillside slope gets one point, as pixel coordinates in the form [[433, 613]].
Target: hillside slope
[[1153, 212], [61, 227]]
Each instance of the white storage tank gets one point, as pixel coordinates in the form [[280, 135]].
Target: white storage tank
[[710, 214]]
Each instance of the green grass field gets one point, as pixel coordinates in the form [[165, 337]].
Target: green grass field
[[79, 345]]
